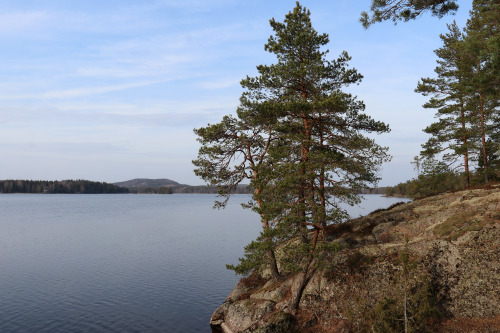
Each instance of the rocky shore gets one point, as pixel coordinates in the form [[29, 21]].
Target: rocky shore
[[433, 263]]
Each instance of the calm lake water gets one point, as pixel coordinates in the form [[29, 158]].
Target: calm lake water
[[121, 263]]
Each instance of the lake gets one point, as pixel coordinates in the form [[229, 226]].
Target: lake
[[121, 262]]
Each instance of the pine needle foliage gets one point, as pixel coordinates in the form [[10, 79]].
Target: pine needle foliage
[[405, 10]]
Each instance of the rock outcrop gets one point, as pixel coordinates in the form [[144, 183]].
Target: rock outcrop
[[451, 274]]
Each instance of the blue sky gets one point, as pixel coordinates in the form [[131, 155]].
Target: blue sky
[[111, 90]]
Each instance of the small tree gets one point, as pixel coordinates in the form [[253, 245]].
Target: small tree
[[417, 162]]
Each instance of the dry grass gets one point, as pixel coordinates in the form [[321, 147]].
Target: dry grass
[[457, 225], [468, 325], [309, 323]]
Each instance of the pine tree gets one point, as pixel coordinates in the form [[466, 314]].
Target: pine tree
[[309, 134], [483, 47], [455, 132], [325, 158]]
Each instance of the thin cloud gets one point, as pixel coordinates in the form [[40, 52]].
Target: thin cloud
[[120, 117], [181, 54], [80, 92], [221, 83], [66, 148], [15, 23]]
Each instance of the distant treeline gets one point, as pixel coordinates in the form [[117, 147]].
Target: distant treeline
[[186, 189], [439, 181], [376, 190], [90, 187], [64, 186], [203, 189]]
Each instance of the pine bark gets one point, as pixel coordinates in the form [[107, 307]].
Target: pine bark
[[466, 149], [483, 136]]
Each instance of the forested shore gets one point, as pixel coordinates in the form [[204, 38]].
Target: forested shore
[[92, 187], [63, 186], [435, 182], [204, 189]]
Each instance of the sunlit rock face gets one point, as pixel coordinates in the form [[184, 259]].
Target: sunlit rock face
[[452, 273]]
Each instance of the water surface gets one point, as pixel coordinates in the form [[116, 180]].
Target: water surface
[[121, 263]]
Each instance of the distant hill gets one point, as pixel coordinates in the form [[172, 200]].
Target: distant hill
[[167, 186], [144, 182]]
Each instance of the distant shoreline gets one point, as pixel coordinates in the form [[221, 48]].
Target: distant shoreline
[[11, 186], [134, 186]]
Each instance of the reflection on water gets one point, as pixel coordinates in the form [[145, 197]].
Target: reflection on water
[[120, 263]]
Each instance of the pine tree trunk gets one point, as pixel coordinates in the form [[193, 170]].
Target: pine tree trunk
[[273, 265], [466, 162], [483, 131], [483, 136], [322, 193], [302, 278], [297, 288], [466, 149]]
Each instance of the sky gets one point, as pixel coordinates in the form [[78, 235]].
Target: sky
[[111, 90]]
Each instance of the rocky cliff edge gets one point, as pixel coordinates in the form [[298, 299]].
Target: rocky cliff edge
[[432, 263]]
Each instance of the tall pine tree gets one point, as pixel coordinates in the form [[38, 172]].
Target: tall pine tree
[[483, 48], [319, 156], [455, 131]]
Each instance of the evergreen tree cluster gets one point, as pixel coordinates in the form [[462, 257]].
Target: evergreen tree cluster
[[465, 93], [64, 186], [302, 142], [464, 145], [435, 178]]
